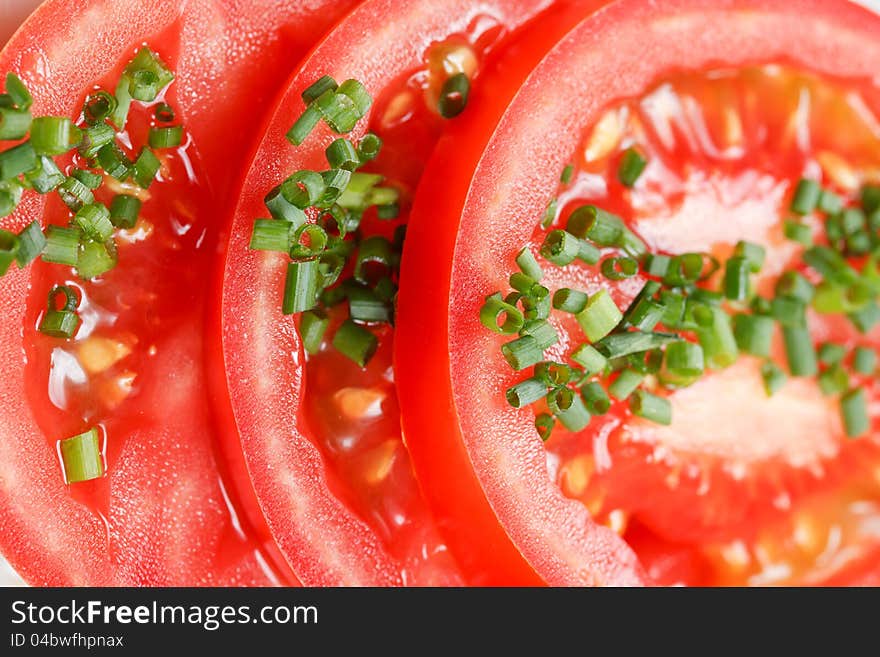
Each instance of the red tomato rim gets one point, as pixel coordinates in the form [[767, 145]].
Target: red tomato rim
[[621, 50]]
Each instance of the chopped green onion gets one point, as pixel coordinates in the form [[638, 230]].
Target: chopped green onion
[[716, 337], [147, 75], [374, 253], [98, 107], [657, 264], [852, 220], [632, 164], [495, 309], [789, 311], [525, 393], [335, 182], [321, 85], [595, 398], [859, 243], [303, 188], [17, 160], [834, 381], [544, 423], [683, 365], [795, 285], [81, 457], [567, 174], [798, 232], [94, 138], [123, 103], [831, 298], [74, 194], [301, 287], [307, 242], [18, 92], [62, 245], [774, 378], [522, 353], [30, 243], [95, 258], [854, 409], [529, 266], [337, 110], [575, 417], [618, 269], [590, 359], [651, 407], [865, 360], [549, 215], [164, 113], [46, 176], [124, 210], [53, 135], [312, 327], [560, 247], [166, 137], [800, 351], [831, 353], [866, 318], [271, 235], [754, 253], [829, 202], [625, 384], [8, 250], [341, 154], [736, 279], [599, 317], [830, 264], [527, 285], [644, 313], [689, 268], [114, 161], [61, 322], [454, 96], [280, 208], [600, 227], [553, 374], [587, 253], [569, 301], [870, 198], [90, 179], [94, 221], [806, 196], [543, 332], [674, 305], [303, 126], [754, 334], [146, 166], [365, 306], [618, 345], [368, 147], [14, 123]]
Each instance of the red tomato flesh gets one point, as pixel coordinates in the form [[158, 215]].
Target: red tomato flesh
[[165, 513], [467, 230]]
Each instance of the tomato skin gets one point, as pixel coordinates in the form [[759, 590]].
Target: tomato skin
[[48, 537], [483, 469], [325, 542]]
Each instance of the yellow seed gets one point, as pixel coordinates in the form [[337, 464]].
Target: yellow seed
[[115, 390], [378, 462], [142, 230], [606, 135], [575, 475], [444, 61], [97, 354], [617, 521], [838, 170], [733, 130], [398, 109], [359, 403], [809, 534], [131, 189]]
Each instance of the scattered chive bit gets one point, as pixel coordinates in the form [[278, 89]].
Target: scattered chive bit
[[567, 174], [854, 409], [63, 321], [339, 106], [81, 457], [632, 164], [865, 360], [454, 96]]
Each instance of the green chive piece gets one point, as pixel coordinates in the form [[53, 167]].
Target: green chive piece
[[355, 342], [8, 250], [528, 265], [830, 264], [736, 279], [618, 269], [625, 384], [644, 314], [870, 198], [789, 311], [94, 138], [90, 179], [599, 317], [17, 160], [341, 154], [829, 202], [549, 215], [774, 378], [147, 75], [81, 457], [364, 305], [657, 264], [688, 268], [499, 316], [754, 334], [798, 232], [535, 307], [590, 359], [560, 247], [651, 407], [454, 96], [164, 113], [31, 242], [271, 235], [14, 123], [74, 194], [124, 210], [94, 221], [527, 285], [600, 227], [280, 208], [114, 161], [553, 374], [303, 126], [166, 136], [575, 417], [854, 409], [569, 301], [46, 176], [373, 259], [618, 345], [865, 360], [754, 253], [60, 322], [715, 334], [834, 381], [684, 363], [98, 107], [866, 318], [368, 147], [301, 287], [522, 353], [674, 305], [632, 164], [800, 351], [544, 423], [567, 174], [543, 332], [18, 92], [317, 88], [587, 253], [595, 398], [337, 110], [146, 166], [53, 135], [794, 284], [303, 189], [831, 353], [852, 220], [123, 103], [62, 245], [806, 196], [525, 393], [95, 258]]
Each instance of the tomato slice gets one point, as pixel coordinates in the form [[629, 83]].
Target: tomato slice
[[312, 469], [163, 514], [482, 467]]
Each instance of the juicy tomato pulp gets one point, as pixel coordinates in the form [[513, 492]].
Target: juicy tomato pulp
[[135, 371], [353, 413], [741, 488]]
